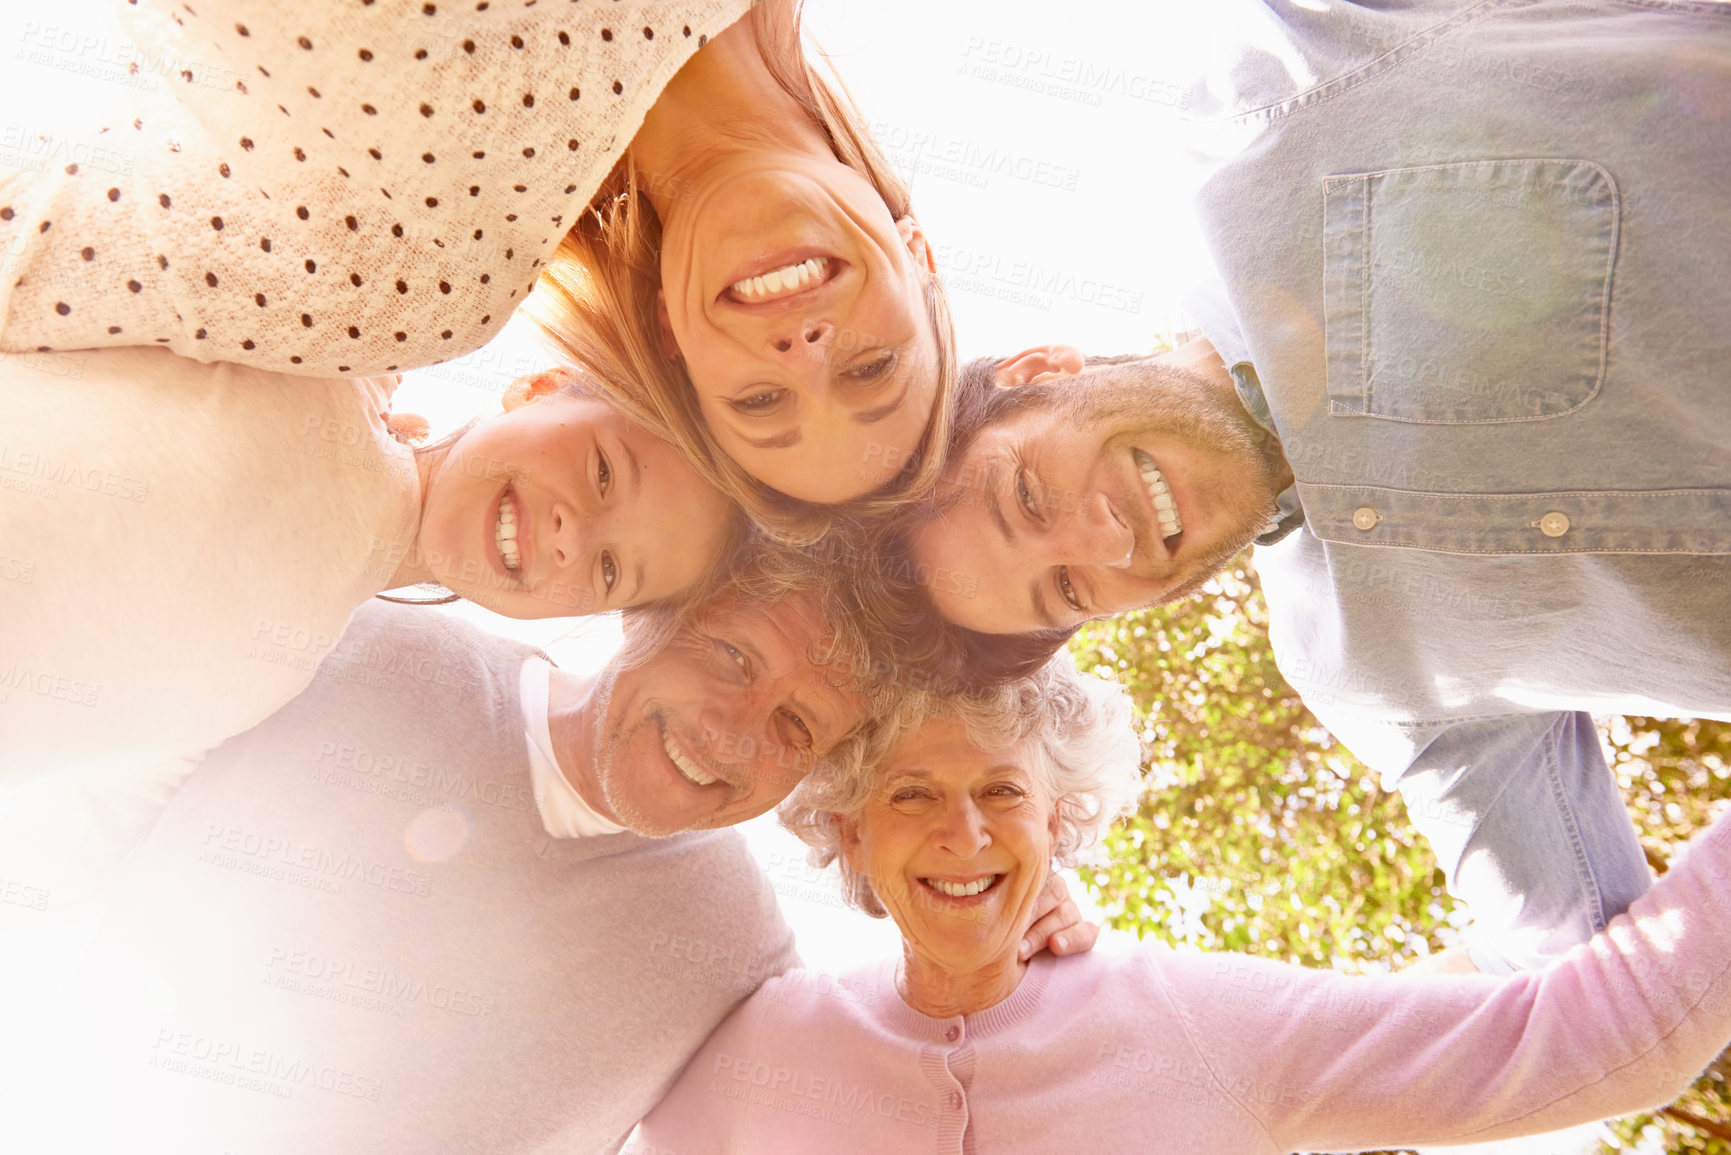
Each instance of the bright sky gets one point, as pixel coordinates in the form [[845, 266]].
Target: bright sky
[[1042, 149]]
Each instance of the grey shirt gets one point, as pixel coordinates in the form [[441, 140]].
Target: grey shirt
[[349, 932]]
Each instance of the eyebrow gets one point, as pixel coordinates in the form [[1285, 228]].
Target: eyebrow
[[636, 469], [779, 441], [637, 580], [993, 507]]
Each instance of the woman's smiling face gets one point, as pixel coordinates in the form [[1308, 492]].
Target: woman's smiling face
[[957, 842], [799, 307], [561, 506]]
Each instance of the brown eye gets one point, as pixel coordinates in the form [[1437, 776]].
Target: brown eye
[[603, 473], [1068, 591], [874, 369], [757, 404], [609, 572]]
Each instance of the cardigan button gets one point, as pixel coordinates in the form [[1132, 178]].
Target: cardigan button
[[955, 1100], [953, 1033], [1554, 524], [1365, 518]]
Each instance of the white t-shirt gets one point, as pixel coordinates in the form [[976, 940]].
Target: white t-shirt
[[180, 544], [563, 811]]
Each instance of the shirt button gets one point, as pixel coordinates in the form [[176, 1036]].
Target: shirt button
[[953, 1033], [1365, 518], [955, 1100], [1554, 524]]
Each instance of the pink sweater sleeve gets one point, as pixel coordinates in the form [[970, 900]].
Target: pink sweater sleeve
[[1336, 1062]]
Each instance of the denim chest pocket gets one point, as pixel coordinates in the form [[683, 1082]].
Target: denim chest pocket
[[1468, 293]]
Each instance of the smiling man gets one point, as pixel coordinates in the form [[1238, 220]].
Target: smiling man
[[1457, 391]]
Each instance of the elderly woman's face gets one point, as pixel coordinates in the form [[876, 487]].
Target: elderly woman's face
[[957, 842]]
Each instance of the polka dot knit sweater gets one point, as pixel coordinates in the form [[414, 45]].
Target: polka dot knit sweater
[[352, 187]]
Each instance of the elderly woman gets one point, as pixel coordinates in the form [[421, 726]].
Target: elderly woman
[[365, 188], [960, 1046]]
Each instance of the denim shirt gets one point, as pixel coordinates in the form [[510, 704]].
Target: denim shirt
[[1476, 266]]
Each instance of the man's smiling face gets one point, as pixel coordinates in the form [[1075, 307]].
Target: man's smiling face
[[1125, 486]]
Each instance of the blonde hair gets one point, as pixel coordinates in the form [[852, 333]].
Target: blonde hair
[[597, 300]]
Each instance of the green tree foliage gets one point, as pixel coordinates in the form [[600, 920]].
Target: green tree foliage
[[1257, 832]]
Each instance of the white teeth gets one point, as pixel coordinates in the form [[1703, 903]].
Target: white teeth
[[686, 766], [1164, 507], [781, 282], [962, 889], [505, 534]]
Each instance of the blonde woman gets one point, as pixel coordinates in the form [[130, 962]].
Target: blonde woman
[[369, 188]]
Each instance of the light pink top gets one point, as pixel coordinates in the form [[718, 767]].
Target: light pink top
[[1135, 1047]]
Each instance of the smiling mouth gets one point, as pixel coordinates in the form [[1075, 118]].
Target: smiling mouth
[[778, 284], [684, 765], [963, 889], [1165, 509], [505, 533]]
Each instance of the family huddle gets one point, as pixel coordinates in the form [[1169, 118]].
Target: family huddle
[[407, 886]]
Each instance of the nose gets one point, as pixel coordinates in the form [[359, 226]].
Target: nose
[[803, 338], [1093, 535], [567, 530], [738, 732], [963, 833]]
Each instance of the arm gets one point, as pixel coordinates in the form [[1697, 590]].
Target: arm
[[1333, 1062]]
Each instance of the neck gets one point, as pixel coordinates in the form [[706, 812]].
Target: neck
[[412, 568], [723, 102], [942, 994], [575, 706]]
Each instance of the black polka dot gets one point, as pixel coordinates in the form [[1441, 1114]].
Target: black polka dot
[[301, 212], [426, 110], [520, 187], [420, 54], [509, 253], [607, 34], [264, 243], [402, 286], [312, 266], [314, 93], [295, 359], [44, 226], [300, 154], [303, 42], [135, 286], [445, 336], [241, 28], [469, 46], [282, 110], [258, 298], [210, 279], [307, 320], [571, 144], [702, 40], [355, 280], [366, 54], [369, 110], [163, 200], [240, 87], [375, 154], [262, 71], [354, 225], [648, 33], [516, 41], [401, 336], [7, 214], [510, 216], [88, 253], [485, 277], [354, 332], [429, 9], [342, 368], [396, 230], [688, 30], [216, 223], [246, 143], [477, 234], [72, 170], [427, 158], [569, 189], [200, 335], [444, 286], [482, 6], [162, 261], [248, 344], [575, 92], [474, 190], [618, 88], [223, 169], [489, 316], [113, 194], [62, 308], [432, 202], [479, 155], [528, 100], [564, 38], [113, 329], [528, 154]]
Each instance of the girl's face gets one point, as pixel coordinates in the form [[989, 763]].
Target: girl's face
[[560, 506], [799, 307]]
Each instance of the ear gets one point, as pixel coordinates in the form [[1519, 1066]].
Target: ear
[[1041, 363], [850, 844], [525, 389], [914, 238], [669, 343]]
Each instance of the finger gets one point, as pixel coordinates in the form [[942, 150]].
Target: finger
[[1057, 922]]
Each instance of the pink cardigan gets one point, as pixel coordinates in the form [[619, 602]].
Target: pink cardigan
[[1135, 1047]]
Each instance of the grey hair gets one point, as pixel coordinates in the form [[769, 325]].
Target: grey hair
[[1086, 755]]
